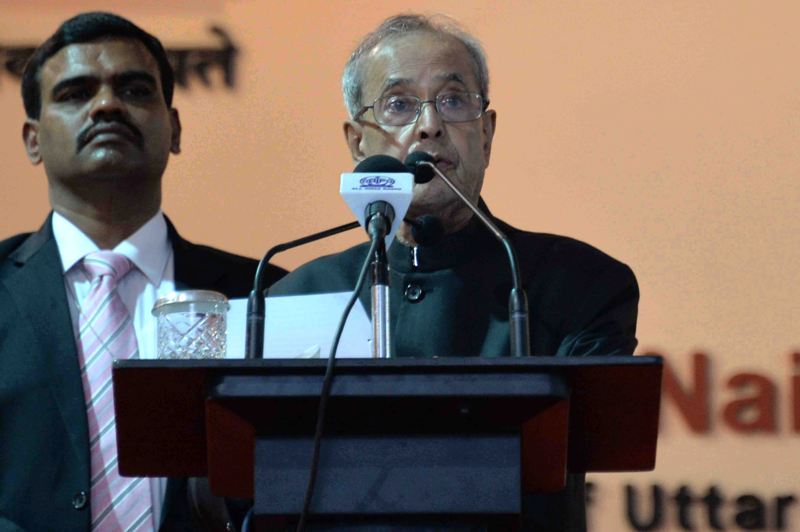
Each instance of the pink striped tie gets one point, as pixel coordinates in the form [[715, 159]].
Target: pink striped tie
[[106, 333]]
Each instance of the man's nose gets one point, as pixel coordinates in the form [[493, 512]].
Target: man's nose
[[429, 123], [106, 101]]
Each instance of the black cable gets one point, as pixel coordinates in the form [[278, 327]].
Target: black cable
[[326, 388], [248, 517]]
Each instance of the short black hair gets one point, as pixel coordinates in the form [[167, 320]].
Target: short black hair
[[84, 28]]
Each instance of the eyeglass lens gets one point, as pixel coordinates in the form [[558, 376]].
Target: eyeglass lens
[[398, 109]]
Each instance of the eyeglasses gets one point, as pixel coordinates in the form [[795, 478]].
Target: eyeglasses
[[401, 109]]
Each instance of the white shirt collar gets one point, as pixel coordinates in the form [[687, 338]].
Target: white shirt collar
[[148, 248]]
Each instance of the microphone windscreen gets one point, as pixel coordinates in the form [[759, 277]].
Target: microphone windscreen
[[422, 172], [381, 163], [427, 230]]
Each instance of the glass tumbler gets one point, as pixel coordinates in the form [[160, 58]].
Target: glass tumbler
[[191, 324]]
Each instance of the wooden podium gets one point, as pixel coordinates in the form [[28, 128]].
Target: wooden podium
[[404, 437]]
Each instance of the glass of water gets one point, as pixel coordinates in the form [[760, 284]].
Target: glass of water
[[191, 324]]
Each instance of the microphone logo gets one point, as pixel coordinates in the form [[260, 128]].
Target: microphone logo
[[379, 178], [377, 182]]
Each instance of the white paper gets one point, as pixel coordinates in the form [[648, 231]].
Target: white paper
[[303, 327]]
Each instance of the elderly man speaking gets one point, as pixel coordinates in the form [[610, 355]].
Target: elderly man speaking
[[421, 84]]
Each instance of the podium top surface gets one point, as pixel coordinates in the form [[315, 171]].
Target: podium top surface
[[613, 402], [395, 364]]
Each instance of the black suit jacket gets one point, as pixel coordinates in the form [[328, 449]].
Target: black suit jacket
[[44, 447], [451, 299]]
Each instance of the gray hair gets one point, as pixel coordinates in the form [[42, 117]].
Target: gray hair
[[396, 26]]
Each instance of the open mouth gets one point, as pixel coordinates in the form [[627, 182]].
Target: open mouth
[[442, 163]]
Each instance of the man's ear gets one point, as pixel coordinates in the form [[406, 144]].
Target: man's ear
[[175, 140], [30, 136], [489, 119], [354, 135]]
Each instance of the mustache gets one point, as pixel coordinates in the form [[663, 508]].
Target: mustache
[[86, 134]]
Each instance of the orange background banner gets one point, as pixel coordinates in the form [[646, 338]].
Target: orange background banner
[[665, 133]]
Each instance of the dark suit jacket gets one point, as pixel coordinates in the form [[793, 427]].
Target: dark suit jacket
[[44, 447], [451, 299]]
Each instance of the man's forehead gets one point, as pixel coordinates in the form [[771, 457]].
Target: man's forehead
[[99, 58], [439, 77], [401, 60]]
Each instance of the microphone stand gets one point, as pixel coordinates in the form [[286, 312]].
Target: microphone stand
[[256, 306], [518, 317], [379, 216]]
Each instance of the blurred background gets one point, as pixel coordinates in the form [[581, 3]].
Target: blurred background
[[664, 133]]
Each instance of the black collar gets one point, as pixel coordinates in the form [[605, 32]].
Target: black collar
[[454, 249]]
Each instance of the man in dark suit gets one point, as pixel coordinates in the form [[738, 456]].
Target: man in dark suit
[[98, 98], [418, 84]]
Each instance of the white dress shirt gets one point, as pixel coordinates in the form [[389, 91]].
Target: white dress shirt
[[151, 277]]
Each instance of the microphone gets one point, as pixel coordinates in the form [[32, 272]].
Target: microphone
[[256, 307], [379, 192], [422, 172], [424, 168]]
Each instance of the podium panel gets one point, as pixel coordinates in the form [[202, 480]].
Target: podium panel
[[411, 437], [450, 475]]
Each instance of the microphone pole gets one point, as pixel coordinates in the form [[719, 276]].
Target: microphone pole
[[518, 316], [380, 189], [379, 216], [256, 306]]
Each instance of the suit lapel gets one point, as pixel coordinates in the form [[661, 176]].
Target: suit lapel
[[35, 281], [192, 269]]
